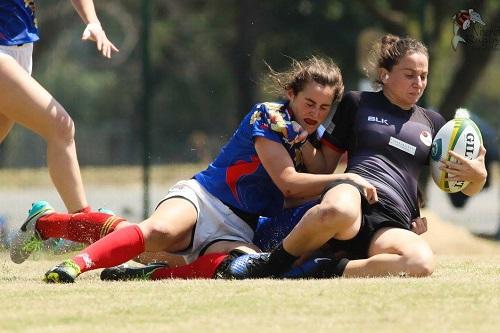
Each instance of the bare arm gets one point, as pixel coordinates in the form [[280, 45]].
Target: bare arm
[[298, 185], [322, 160], [93, 31]]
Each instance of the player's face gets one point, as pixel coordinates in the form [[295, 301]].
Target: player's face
[[311, 106], [406, 82]]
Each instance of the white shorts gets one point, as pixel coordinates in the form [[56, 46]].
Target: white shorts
[[22, 54], [215, 220]]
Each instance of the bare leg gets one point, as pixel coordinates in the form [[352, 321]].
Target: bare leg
[[228, 246], [337, 216], [170, 227], [23, 100], [394, 251], [5, 126]]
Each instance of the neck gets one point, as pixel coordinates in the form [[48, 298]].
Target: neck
[[395, 101]]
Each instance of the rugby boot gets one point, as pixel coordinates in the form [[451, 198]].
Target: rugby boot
[[27, 239]]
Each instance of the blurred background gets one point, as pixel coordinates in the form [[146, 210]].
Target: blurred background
[[206, 60]]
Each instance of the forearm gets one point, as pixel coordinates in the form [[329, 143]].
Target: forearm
[[314, 159], [303, 186], [86, 10]]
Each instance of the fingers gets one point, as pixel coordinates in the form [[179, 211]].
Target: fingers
[[374, 194], [453, 166], [419, 225], [94, 32], [459, 157], [370, 192], [482, 151], [301, 137]]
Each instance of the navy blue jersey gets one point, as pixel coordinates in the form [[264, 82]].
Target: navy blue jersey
[[17, 22], [386, 145], [237, 177]]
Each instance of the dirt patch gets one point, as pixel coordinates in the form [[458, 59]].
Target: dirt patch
[[448, 239]]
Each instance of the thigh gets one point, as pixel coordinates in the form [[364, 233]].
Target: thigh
[[170, 227], [398, 241], [228, 246], [6, 125], [25, 101]]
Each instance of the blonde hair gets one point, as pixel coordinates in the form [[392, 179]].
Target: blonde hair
[[320, 70], [388, 51]]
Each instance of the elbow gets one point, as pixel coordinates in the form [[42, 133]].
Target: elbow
[[289, 185]]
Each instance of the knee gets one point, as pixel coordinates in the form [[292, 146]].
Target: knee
[[158, 237], [62, 129], [420, 263], [338, 215]]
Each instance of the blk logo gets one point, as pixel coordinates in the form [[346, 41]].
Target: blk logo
[[378, 120]]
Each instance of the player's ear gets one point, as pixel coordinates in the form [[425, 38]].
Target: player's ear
[[384, 75], [290, 94]]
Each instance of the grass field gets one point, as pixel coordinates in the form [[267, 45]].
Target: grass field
[[462, 296]]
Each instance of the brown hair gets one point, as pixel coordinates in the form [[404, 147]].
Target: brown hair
[[388, 51], [321, 70]]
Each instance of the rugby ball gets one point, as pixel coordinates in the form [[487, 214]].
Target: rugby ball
[[460, 135]]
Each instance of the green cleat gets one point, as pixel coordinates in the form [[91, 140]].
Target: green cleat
[[125, 272], [27, 239], [65, 272]]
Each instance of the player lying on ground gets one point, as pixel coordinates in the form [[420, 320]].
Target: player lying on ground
[[388, 139], [217, 210], [379, 130]]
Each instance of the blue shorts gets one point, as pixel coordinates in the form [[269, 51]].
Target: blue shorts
[[272, 230]]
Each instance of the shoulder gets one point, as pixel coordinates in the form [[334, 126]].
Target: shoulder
[[436, 119], [269, 110], [352, 96], [270, 106]]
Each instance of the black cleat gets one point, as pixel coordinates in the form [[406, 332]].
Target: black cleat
[[126, 273]]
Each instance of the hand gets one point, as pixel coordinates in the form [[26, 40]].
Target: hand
[[369, 191], [463, 169], [419, 225], [302, 134], [94, 32]]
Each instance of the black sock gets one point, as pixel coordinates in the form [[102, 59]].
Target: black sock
[[280, 260], [335, 268]]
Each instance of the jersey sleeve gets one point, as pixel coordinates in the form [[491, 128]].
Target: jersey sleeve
[[437, 121], [271, 121], [340, 132]]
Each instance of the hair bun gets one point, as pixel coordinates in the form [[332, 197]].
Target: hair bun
[[387, 42]]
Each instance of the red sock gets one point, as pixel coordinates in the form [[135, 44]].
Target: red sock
[[86, 209], [202, 268], [114, 249], [80, 227]]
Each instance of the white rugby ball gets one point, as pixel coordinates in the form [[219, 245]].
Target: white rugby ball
[[460, 135]]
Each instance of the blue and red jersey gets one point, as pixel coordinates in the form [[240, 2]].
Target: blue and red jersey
[[237, 177], [17, 22]]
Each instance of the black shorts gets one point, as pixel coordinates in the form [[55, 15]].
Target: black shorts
[[374, 217]]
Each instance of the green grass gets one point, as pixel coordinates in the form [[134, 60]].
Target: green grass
[[463, 295]]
